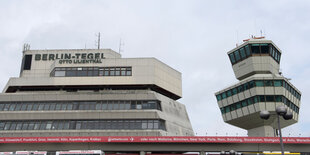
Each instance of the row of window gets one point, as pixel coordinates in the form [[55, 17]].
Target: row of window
[[80, 105], [83, 125], [260, 98], [258, 83], [254, 49], [91, 71]]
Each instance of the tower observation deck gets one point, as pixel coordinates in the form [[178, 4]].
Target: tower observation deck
[[261, 87]]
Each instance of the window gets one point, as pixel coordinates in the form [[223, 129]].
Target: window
[[268, 83], [277, 83], [237, 56], [251, 84], [242, 53], [60, 73], [255, 48], [238, 105], [234, 91], [117, 71], [240, 88], [232, 58], [247, 50], [27, 62], [261, 98], [264, 48], [244, 103], [218, 97], [223, 95], [229, 93], [259, 83], [227, 109], [270, 98], [128, 71]]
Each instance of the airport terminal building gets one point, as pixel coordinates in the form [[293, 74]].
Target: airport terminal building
[[92, 92]]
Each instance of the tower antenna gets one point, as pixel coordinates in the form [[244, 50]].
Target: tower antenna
[[121, 44], [98, 40]]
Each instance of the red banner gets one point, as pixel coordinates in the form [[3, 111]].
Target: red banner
[[164, 139]]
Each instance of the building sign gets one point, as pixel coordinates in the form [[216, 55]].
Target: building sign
[[71, 58], [140, 139]]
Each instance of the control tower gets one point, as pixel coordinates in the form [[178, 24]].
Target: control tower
[[261, 87]]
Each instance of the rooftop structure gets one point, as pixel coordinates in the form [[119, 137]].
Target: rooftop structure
[[261, 87], [92, 92]]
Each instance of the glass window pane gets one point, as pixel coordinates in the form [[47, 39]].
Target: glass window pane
[[19, 126], [13, 126], [25, 126], [238, 105], [69, 106], [46, 106], [117, 71], [71, 73], [98, 106], [247, 50], [121, 105], [244, 103], [250, 101], [64, 106], [92, 105], [1, 107], [234, 91], [41, 106], [110, 105], [227, 109], [127, 105], [268, 83], [261, 98], [270, 98], [242, 53], [31, 126], [259, 83], [232, 58], [18, 107], [246, 86], [29, 107], [223, 95], [228, 93], [37, 126], [60, 73], [104, 105], [278, 98], [24, 107], [255, 48], [144, 124], [48, 125], [58, 106], [219, 97], [240, 88], [237, 56], [150, 124], [35, 106], [12, 107], [251, 84], [112, 71], [264, 48]]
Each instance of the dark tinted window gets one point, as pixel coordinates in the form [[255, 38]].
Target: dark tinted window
[[264, 48], [27, 62], [255, 48]]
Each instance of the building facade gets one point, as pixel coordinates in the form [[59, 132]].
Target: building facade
[[261, 87], [92, 92]]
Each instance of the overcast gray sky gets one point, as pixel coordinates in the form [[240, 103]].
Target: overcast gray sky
[[191, 36]]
